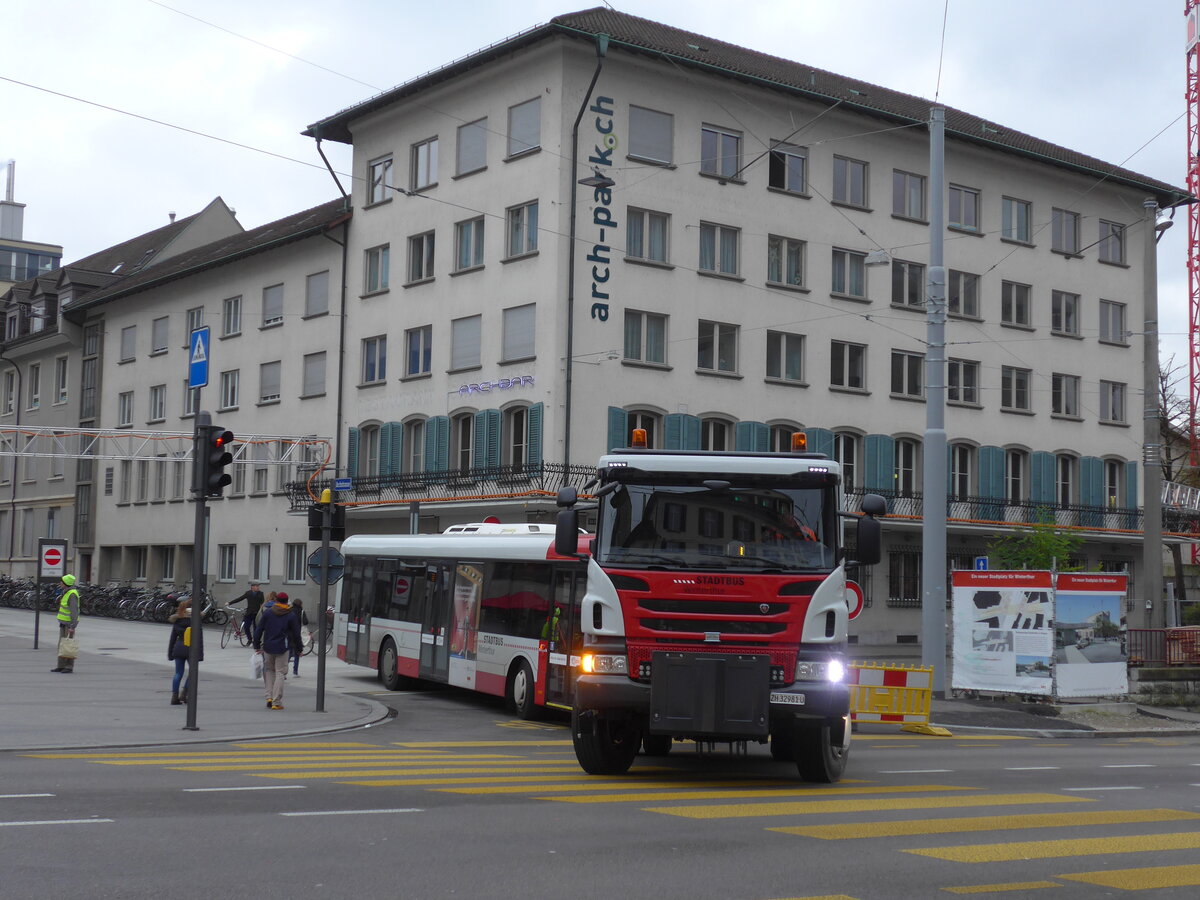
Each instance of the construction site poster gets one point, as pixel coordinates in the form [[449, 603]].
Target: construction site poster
[[1003, 632], [1089, 651]]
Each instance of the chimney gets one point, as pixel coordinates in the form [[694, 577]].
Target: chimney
[[171, 216], [12, 214]]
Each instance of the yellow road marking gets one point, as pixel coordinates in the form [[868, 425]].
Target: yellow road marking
[[395, 772], [1130, 843], [492, 779], [397, 765], [248, 753], [424, 745], [1148, 879], [1002, 888], [234, 761], [741, 811], [588, 784], [991, 738], [752, 793], [984, 823]]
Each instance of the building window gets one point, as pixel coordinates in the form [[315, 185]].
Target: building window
[[1112, 242], [34, 377], [128, 343], [260, 562], [646, 235], [780, 439], [1112, 402], [418, 350], [1015, 220], [424, 166], [962, 470], [905, 470], [465, 335], [313, 375], [962, 383], [1112, 482], [645, 337], [963, 294], [268, 381], [1064, 313], [516, 436], [845, 452], [718, 249], [1015, 466], [518, 333], [1112, 322], [195, 320], [651, 135], [788, 168], [471, 148], [227, 562], [414, 446], [375, 277], [904, 579], [316, 294], [374, 359], [379, 179], [158, 402], [849, 181], [908, 374], [158, 334], [525, 126], [848, 365], [420, 257], [522, 229], [908, 195], [1014, 388], [468, 244], [10, 393], [1064, 479], [714, 434], [295, 566], [908, 284], [647, 422], [720, 151], [849, 274], [785, 261], [231, 316], [191, 398], [272, 305], [1064, 394], [462, 441], [60, 380], [229, 389], [716, 349], [1014, 303], [1065, 231], [964, 208], [125, 409], [785, 356]]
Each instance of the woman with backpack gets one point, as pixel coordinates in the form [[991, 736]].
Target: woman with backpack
[[179, 649]]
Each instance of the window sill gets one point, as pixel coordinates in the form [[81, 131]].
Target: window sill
[[965, 230], [846, 205], [162, 352], [1017, 243], [913, 219], [232, 334], [317, 315], [225, 409], [420, 189], [645, 160], [834, 295], [643, 364], [513, 157], [1112, 424], [155, 421], [474, 368], [466, 271], [373, 293], [714, 373], [1064, 417], [649, 263], [312, 396], [371, 384], [121, 362], [1067, 334], [841, 389], [908, 307], [778, 190], [125, 425], [418, 282], [1069, 254], [722, 275], [1017, 412], [519, 256], [722, 179], [785, 382], [416, 376], [375, 203], [1111, 343], [910, 398], [1115, 263], [267, 326], [518, 359], [964, 317], [964, 404], [468, 174], [783, 286], [274, 402], [1017, 327]]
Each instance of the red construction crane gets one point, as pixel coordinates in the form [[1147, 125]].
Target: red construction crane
[[1193, 251]]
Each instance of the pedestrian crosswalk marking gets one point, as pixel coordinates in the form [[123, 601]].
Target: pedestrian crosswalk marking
[[809, 807], [1050, 849], [1150, 878], [1005, 888], [597, 785], [748, 793], [465, 770]]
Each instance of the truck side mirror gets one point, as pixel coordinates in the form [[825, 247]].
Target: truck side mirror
[[869, 532], [566, 532], [567, 497]]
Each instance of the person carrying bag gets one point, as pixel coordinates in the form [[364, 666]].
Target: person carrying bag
[[68, 618]]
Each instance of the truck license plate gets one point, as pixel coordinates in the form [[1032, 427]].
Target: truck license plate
[[791, 699]]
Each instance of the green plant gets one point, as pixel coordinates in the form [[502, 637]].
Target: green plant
[[1040, 546]]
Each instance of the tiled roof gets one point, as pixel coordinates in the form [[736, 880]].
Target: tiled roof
[[688, 49], [221, 252]]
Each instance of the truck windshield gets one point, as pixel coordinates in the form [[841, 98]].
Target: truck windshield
[[736, 522]]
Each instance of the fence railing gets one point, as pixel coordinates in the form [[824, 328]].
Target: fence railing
[[1157, 647]]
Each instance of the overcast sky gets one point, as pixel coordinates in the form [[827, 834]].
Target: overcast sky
[[1105, 77]]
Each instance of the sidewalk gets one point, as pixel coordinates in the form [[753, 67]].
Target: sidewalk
[[119, 694]]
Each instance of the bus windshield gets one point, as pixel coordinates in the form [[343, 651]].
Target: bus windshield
[[730, 522]]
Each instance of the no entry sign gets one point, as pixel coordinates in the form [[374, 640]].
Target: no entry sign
[[52, 559]]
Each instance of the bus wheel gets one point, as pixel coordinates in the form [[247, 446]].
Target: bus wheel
[[608, 747], [783, 741], [521, 689], [656, 744], [392, 680], [822, 749]]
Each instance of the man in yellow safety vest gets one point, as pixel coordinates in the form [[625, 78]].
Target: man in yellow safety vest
[[68, 618]]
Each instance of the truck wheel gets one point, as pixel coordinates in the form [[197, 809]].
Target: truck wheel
[[392, 680], [656, 744], [822, 749], [520, 697], [608, 747], [783, 741]]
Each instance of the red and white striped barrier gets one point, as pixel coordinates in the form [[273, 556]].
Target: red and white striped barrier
[[890, 693]]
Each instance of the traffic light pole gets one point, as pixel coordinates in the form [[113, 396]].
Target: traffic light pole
[[199, 483]]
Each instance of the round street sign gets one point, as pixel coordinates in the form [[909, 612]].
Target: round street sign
[[53, 562], [335, 569], [856, 599]]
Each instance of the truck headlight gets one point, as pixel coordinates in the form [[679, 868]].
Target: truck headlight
[[826, 670], [604, 664]]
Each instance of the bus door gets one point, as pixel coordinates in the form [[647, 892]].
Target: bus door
[[435, 621], [356, 604], [566, 637]]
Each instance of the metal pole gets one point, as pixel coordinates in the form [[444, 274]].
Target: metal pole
[[203, 421], [322, 627], [933, 517], [1152, 563]]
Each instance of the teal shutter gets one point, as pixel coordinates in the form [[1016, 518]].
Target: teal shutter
[[1131, 493], [820, 440], [396, 447], [352, 452], [1041, 469], [535, 434], [618, 424], [682, 432], [391, 448], [691, 433], [1091, 491], [752, 436], [880, 475], [437, 443], [486, 451], [991, 481]]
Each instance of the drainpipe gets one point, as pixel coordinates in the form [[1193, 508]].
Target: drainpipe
[[12, 502], [345, 242]]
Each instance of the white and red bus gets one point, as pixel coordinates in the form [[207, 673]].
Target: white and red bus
[[491, 609]]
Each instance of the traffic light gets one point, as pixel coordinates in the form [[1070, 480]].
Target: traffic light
[[217, 455]]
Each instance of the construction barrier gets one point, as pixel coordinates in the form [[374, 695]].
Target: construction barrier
[[892, 693]]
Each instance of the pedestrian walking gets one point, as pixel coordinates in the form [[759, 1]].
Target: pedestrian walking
[[254, 601], [277, 633], [68, 618], [179, 649], [305, 631]]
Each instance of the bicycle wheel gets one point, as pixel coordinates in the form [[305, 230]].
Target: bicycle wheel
[[308, 641], [245, 638], [227, 632], [220, 617]]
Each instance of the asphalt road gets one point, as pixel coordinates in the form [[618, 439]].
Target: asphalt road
[[454, 798]]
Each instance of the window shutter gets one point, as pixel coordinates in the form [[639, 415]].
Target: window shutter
[[391, 448], [535, 434], [437, 443], [1043, 475], [820, 440], [617, 424], [1091, 491], [673, 432], [682, 432], [752, 436], [880, 452], [352, 452], [691, 432], [991, 479], [487, 439]]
